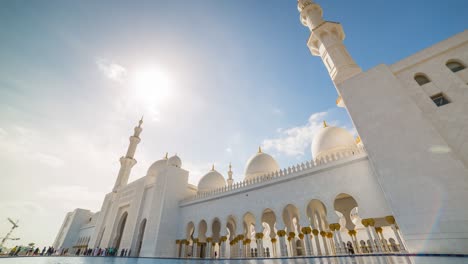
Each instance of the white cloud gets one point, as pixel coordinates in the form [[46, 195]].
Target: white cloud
[[3, 133], [47, 159], [294, 141], [73, 193], [21, 208], [23, 142], [229, 150], [113, 71]]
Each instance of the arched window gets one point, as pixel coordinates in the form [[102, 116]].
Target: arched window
[[455, 66], [440, 99], [421, 79]]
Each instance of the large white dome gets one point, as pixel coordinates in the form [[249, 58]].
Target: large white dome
[[331, 140], [210, 181], [260, 164], [156, 167]]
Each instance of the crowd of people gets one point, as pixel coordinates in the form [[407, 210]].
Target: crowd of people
[[113, 252], [50, 251], [31, 251]]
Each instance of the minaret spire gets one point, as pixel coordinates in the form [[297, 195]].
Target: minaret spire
[[230, 181], [128, 161], [326, 40]]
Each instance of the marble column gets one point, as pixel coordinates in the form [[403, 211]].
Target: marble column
[[391, 220], [177, 250], [324, 239], [378, 243], [317, 242], [366, 223], [182, 248], [247, 248], [240, 246], [273, 248], [340, 239], [282, 243], [334, 228], [195, 248], [259, 240], [379, 230], [208, 247], [308, 251]]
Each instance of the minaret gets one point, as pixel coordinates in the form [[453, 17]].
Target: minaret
[[230, 181], [326, 40], [127, 162]]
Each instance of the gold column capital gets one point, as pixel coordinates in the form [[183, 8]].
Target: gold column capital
[[390, 219], [315, 232], [281, 233], [306, 230]]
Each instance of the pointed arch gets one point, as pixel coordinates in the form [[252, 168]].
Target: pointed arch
[[348, 207], [141, 235], [317, 213], [120, 230], [216, 229]]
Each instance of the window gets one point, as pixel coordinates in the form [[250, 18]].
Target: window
[[440, 99], [455, 66], [421, 79]]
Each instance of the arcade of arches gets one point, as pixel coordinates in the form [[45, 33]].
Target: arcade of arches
[[280, 234]]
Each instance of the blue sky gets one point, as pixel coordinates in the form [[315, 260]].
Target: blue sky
[[240, 75]]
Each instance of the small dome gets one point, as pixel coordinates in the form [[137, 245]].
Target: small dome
[[330, 140], [260, 164], [210, 181], [156, 167], [174, 161]]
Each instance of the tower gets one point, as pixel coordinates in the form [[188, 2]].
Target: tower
[[128, 161], [425, 189], [230, 181], [326, 40]]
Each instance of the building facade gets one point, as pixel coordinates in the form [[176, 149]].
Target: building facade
[[399, 187]]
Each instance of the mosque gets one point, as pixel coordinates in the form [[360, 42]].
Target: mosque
[[401, 186]]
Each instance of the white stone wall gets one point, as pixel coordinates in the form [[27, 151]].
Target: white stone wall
[[425, 189], [450, 120], [352, 176], [70, 230]]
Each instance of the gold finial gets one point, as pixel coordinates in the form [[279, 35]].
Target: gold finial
[[212, 167], [230, 166], [358, 139], [325, 124], [166, 155], [259, 149]]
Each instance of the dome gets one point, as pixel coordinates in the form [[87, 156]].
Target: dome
[[211, 180], [174, 161], [330, 140], [260, 164], [156, 167]]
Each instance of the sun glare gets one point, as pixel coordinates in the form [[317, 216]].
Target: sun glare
[[151, 86]]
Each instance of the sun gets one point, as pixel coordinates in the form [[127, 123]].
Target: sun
[[151, 85]]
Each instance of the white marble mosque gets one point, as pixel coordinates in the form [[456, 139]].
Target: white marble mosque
[[401, 186]]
